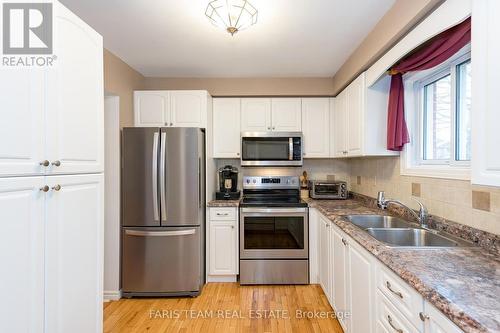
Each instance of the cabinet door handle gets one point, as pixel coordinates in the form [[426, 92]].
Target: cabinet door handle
[[57, 187], [389, 320], [44, 188], [423, 316], [222, 214], [45, 163], [344, 241], [56, 163], [389, 286]]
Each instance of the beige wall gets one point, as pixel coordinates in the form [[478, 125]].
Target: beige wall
[[456, 200], [396, 23], [247, 86], [121, 79]]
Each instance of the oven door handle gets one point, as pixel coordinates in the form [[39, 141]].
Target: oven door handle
[[290, 149], [273, 210]]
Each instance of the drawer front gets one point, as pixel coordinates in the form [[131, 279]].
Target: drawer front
[[390, 320], [223, 214], [405, 298]]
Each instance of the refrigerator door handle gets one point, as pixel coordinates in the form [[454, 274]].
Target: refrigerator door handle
[[154, 178], [160, 233], [163, 193], [199, 182]]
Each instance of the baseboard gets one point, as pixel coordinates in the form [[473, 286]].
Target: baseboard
[[222, 278], [113, 295]]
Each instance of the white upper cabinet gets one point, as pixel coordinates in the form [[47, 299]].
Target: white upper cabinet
[[255, 114], [75, 114], [485, 161], [22, 138], [286, 114], [22, 254], [172, 108], [339, 131], [53, 117], [151, 108], [226, 127], [355, 125], [74, 253], [271, 114], [316, 127], [188, 108], [360, 121]]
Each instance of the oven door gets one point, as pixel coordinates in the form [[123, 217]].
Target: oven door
[[274, 233], [271, 149]]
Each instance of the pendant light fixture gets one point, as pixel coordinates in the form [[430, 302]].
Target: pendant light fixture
[[231, 15]]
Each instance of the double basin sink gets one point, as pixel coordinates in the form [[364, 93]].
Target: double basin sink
[[396, 232]]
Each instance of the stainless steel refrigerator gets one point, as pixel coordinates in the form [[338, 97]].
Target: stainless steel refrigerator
[[163, 211]]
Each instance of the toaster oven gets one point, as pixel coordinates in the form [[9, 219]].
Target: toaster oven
[[319, 189]]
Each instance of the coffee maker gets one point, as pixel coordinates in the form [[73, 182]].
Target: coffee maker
[[228, 184]]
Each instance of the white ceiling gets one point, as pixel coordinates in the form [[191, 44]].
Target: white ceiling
[[173, 38]]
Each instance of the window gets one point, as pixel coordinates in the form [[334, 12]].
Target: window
[[438, 110]]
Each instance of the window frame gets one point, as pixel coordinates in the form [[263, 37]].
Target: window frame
[[412, 158]]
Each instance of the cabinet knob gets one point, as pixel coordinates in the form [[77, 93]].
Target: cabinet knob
[[56, 163], [171, 124], [269, 128], [57, 187], [232, 227], [344, 241], [45, 163], [44, 188], [237, 154], [274, 128], [423, 316]]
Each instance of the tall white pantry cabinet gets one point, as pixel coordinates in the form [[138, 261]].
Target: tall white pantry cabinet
[[51, 186]]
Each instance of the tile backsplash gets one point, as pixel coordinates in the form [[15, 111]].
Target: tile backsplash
[[456, 200], [316, 169]]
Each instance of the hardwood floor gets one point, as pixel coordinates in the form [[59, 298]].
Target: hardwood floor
[[227, 307]]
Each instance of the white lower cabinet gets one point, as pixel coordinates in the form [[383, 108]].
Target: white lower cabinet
[[324, 254], [51, 253], [365, 294], [389, 319], [339, 276], [22, 242], [436, 322], [361, 291], [74, 253], [223, 244]]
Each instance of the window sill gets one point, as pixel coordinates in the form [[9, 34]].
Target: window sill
[[433, 171]]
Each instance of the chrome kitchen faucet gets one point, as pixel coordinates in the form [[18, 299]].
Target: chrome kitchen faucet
[[421, 217]]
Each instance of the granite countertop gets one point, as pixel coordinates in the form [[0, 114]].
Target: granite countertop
[[463, 283], [224, 203]]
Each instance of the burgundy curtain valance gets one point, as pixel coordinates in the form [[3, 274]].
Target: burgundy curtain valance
[[434, 52]]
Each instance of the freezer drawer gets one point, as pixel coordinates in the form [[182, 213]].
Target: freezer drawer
[[162, 261]]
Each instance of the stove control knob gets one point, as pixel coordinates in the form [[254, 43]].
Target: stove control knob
[[248, 181], [254, 181], [288, 181]]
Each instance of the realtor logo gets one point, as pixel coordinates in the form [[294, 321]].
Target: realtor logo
[[27, 28]]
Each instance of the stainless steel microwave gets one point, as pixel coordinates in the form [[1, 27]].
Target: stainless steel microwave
[[271, 148]]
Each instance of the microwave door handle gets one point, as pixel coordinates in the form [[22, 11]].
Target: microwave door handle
[[290, 147]]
